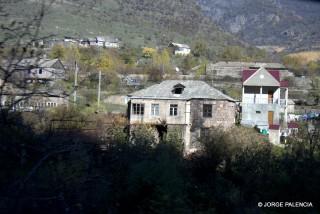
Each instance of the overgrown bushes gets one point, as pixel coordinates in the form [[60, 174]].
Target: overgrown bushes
[[81, 173]]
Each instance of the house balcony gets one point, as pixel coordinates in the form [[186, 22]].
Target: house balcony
[[264, 100]]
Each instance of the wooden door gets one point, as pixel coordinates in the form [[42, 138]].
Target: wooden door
[[270, 96], [270, 117]]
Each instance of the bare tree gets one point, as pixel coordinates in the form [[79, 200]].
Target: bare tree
[[17, 42]]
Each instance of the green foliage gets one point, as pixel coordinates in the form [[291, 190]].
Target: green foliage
[[189, 62], [57, 51], [113, 171], [234, 92], [238, 53], [232, 53], [200, 48]]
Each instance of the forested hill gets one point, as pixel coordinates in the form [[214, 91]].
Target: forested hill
[[291, 23], [135, 22]]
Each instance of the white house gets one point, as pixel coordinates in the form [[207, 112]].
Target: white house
[[101, 41], [264, 101], [180, 49]]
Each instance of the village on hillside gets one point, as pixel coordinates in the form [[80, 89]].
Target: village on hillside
[[159, 107], [176, 92]]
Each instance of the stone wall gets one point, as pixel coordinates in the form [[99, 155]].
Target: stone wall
[[223, 113], [164, 113]]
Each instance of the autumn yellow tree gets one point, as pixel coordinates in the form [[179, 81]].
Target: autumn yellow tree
[[106, 62], [162, 60], [148, 52]]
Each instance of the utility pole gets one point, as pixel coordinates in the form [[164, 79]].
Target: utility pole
[[99, 89], [75, 83]]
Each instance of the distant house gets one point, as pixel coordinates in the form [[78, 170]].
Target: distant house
[[264, 101], [180, 49], [38, 70], [131, 81], [134, 80], [111, 42], [101, 41], [70, 41], [21, 99], [188, 107]]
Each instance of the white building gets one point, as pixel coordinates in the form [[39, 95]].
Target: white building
[[180, 49], [264, 101]]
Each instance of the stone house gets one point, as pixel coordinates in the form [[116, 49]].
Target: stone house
[[31, 70], [22, 99], [191, 107], [264, 101]]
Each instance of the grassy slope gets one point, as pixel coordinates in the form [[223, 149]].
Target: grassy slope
[[136, 22], [306, 56]]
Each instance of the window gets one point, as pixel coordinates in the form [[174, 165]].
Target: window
[[178, 89], [173, 109], [155, 109], [138, 109], [258, 112], [40, 71], [207, 110]]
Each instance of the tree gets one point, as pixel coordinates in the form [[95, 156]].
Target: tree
[[57, 51], [148, 52], [232, 53], [200, 49]]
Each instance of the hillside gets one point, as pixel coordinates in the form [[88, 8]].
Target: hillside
[[135, 22], [290, 23]]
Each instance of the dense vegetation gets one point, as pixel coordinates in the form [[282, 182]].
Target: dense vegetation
[[137, 23], [73, 170]]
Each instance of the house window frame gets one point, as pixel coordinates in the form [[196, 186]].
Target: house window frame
[[173, 110], [138, 108], [155, 109], [207, 110]]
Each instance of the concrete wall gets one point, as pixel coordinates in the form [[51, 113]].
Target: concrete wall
[[274, 136], [257, 114]]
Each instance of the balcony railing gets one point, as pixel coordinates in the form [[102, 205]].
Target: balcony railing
[[250, 100]]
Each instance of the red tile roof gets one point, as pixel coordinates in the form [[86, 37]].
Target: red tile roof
[[274, 127], [246, 74], [293, 125], [275, 74]]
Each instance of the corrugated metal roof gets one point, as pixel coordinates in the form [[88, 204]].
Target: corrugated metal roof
[[193, 90], [36, 62]]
